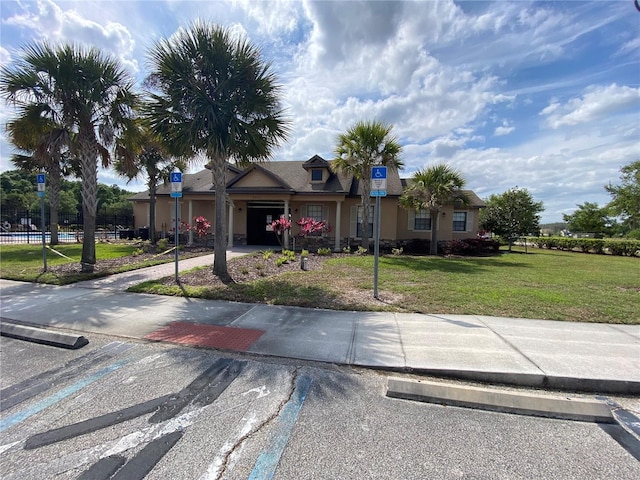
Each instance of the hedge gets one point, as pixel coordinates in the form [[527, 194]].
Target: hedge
[[612, 246]]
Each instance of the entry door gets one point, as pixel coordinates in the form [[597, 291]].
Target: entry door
[[258, 219]]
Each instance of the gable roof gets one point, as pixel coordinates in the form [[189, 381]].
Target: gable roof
[[315, 162], [290, 177]]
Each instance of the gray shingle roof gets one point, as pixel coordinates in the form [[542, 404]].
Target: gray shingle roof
[[292, 177]]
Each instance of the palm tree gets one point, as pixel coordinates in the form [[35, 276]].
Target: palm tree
[[215, 97], [45, 145], [365, 145], [430, 189], [140, 153], [90, 96]]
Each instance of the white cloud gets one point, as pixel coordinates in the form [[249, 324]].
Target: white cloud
[[598, 102], [454, 79], [274, 17], [5, 56], [50, 22], [504, 129]]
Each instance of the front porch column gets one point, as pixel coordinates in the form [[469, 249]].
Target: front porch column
[[190, 218], [336, 246], [230, 240], [285, 240]]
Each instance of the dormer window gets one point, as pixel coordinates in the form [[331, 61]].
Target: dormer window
[[316, 174]]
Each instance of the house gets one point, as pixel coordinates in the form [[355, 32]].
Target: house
[[263, 192]]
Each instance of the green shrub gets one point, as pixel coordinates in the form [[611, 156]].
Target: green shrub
[[163, 244], [281, 261], [266, 255], [470, 246], [346, 249], [613, 246], [290, 255], [324, 251], [361, 251], [146, 246], [304, 253], [397, 251]]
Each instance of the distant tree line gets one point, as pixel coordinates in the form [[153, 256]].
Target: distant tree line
[[620, 217], [18, 193]]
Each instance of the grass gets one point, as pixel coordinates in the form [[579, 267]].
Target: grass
[[25, 263], [543, 284]]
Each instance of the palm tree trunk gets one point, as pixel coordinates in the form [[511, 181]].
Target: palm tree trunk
[[152, 211], [54, 200], [366, 205], [433, 248], [219, 167], [89, 171]]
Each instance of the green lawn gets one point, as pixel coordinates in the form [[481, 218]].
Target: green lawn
[[543, 284], [25, 262]]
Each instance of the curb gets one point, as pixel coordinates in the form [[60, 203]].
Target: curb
[[499, 401], [40, 335], [533, 380]]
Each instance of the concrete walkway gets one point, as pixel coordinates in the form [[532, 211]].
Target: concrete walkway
[[539, 353]]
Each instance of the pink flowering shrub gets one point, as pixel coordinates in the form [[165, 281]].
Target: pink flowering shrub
[[280, 226], [309, 226]]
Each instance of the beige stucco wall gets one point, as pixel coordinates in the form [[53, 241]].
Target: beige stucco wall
[[394, 219]]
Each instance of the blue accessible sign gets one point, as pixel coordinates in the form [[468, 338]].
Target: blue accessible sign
[[176, 184], [40, 180], [379, 181]]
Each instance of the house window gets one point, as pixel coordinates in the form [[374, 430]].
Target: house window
[[459, 221], [315, 212], [316, 175], [370, 223], [422, 220]]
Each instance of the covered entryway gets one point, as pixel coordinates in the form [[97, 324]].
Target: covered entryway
[[259, 218]]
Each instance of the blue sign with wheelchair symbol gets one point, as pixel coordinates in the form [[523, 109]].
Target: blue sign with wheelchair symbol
[[378, 173]]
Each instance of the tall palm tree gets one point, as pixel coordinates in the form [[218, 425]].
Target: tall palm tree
[[141, 153], [45, 145], [88, 94], [365, 145], [214, 96], [432, 188]]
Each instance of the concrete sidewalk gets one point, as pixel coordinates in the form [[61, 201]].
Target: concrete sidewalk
[[538, 353]]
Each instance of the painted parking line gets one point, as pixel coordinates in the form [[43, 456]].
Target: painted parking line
[[29, 388], [22, 415], [268, 460], [164, 408]]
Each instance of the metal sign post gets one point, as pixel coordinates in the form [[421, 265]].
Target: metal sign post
[[40, 180], [176, 192], [378, 190]]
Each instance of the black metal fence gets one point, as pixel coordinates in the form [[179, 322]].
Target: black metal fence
[[24, 226]]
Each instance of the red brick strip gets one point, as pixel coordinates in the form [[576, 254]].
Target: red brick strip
[[196, 334]]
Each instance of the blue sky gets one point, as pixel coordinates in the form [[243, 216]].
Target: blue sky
[[539, 95]]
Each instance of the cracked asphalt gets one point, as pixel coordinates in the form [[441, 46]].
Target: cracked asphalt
[[127, 409]]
